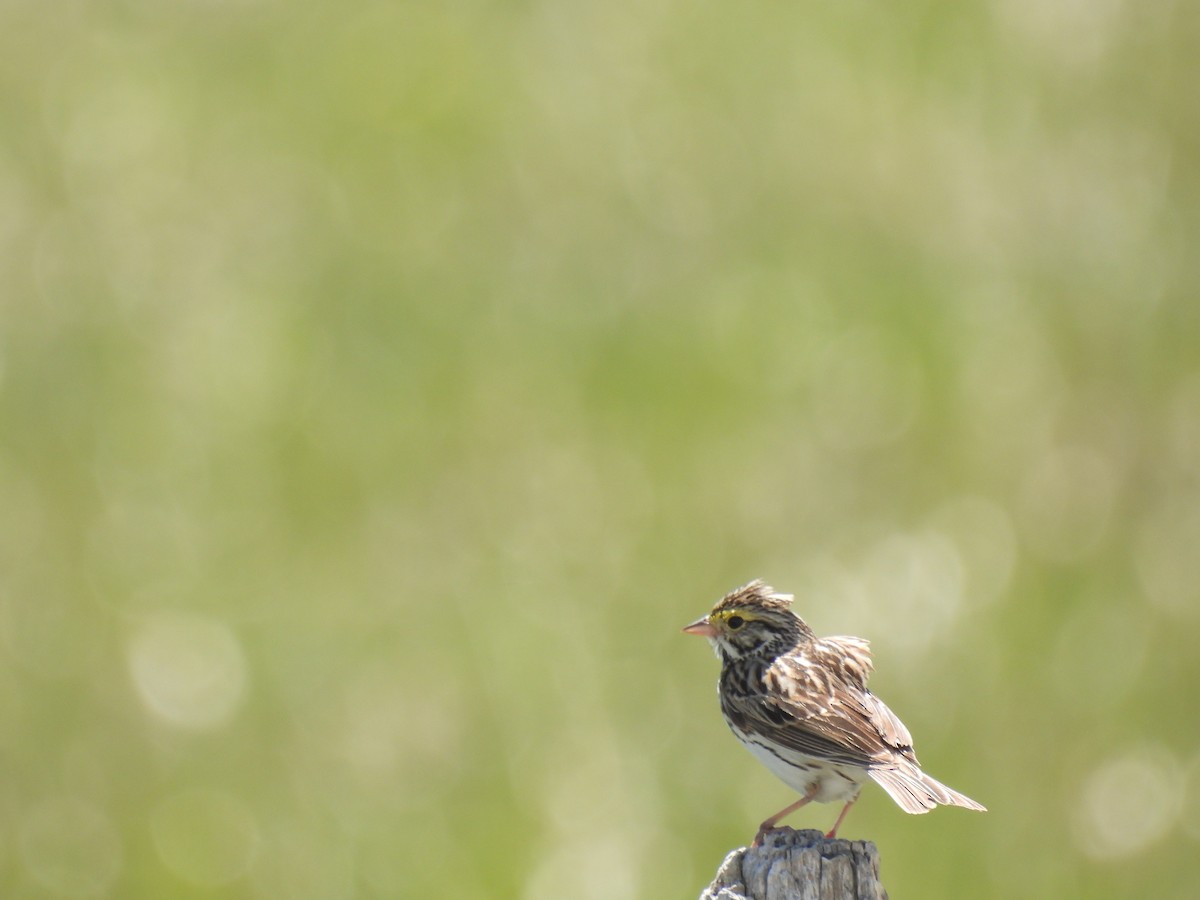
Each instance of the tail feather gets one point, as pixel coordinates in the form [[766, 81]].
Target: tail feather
[[915, 792]]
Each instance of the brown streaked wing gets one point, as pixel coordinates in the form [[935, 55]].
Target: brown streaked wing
[[851, 656], [788, 727], [812, 709], [889, 726]]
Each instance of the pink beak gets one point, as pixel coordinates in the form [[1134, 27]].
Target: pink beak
[[702, 628]]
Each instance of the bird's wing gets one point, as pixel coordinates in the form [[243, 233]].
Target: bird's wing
[[889, 726], [851, 658], [816, 704]]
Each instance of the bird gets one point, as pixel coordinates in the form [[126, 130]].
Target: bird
[[800, 704]]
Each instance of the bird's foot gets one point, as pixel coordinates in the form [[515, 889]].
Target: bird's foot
[[763, 830]]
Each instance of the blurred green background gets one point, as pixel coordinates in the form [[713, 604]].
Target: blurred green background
[[384, 385]]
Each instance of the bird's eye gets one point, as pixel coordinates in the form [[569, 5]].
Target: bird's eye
[[735, 622]]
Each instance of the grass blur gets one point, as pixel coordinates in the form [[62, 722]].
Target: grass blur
[[383, 385]]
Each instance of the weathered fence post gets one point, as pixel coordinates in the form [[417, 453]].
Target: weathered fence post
[[799, 865]]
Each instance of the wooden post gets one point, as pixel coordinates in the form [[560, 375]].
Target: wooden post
[[799, 865]]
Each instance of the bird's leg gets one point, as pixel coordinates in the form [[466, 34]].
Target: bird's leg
[[838, 824], [769, 824]]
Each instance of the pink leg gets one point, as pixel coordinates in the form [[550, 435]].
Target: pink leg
[[841, 816], [769, 824]]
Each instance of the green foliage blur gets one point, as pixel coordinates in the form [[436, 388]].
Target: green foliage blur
[[383, 385]]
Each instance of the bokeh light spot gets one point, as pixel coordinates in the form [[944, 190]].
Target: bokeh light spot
[[189, 671], [1168, 566], [71, 848], [206, 837], [1183, 425], [1128, 803], [987, 543], [916, 581], [1078, 32], [1066, 504], [1191, 800], [301, 864], [598, 867], [377, 736]]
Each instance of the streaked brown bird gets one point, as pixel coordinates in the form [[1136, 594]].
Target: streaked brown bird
[[800, 704]]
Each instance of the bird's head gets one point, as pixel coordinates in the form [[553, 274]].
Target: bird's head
[[752, 620]]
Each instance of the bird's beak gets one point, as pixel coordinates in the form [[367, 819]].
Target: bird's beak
[[702, 628]]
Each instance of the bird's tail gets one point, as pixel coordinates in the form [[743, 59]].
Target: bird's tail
[[916, 792]]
